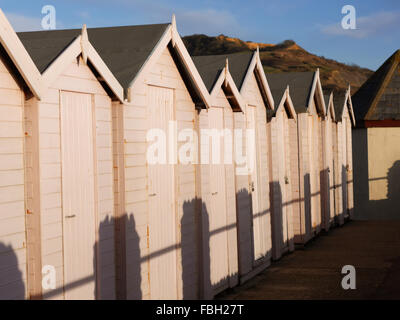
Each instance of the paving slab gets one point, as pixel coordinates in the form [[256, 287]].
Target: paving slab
[[314, 272]]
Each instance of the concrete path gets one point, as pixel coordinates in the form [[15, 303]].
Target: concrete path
[[372, 247]]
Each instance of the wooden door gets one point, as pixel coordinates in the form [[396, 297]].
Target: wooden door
[[344, 168], [218, 216], [285, 183], [161, 204], [259, 225], [349, 161], [314, 172], [78, 195]]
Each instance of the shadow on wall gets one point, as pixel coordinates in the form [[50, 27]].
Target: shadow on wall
[[104, 261], [12, 286], [196, 236], [195, 250], [307, 203], [365, 209], [387, 209]]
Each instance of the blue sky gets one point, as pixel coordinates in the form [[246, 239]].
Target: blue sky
[[313, 24]]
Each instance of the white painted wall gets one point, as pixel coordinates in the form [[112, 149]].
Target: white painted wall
[[43, 120], [13, 269]]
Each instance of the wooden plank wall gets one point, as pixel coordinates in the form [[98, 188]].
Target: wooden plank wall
[[76, 77], [294, 178], [243, 207], [230, 198], [302, 220], [338, 175], [252, 95], [350, 181], [164, 73], [13, 269]]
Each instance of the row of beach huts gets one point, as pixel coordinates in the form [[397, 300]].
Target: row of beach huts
[[84, 215]]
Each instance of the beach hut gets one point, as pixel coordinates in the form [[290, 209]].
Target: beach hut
[[344, 163], [157, 205], [69, 181], [19, 79], [255, 246], [284, 163], [376, 148], [251, 178], [308, 101], [329, 139], [218, 177]]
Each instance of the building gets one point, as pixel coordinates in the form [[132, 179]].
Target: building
[[376, 151]]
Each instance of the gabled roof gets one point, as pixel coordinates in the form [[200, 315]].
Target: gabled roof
[[256, 68], [343, 100], [379, 97], [127, 51], [124, 49], [241, 64], [217, 73], [283, 101], [330, 107], [211, 66], [301, 84], [19, 56]]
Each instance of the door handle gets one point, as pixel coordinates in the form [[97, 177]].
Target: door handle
[[214, 193], [70, 216], [152, 195]]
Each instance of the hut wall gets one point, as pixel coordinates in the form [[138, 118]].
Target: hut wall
[[139, 231], [219, 202], [243, 207], [44, 162], [261, 230], [281, 180], [302, 220], [13, 269]]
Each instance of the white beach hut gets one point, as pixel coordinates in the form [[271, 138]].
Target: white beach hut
[[157, 202], [19, 80], [328, 194], [68, 161], [284, 164], [251, 186], [308, 101], [218, 174], [344, 116]]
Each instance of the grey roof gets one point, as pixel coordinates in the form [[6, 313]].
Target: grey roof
[[300, 84], [339, 101], [379, 96], [123, 49], [211, 66], [327, 95]]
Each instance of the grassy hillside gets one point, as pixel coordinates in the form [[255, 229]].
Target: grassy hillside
[[284, 57]]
